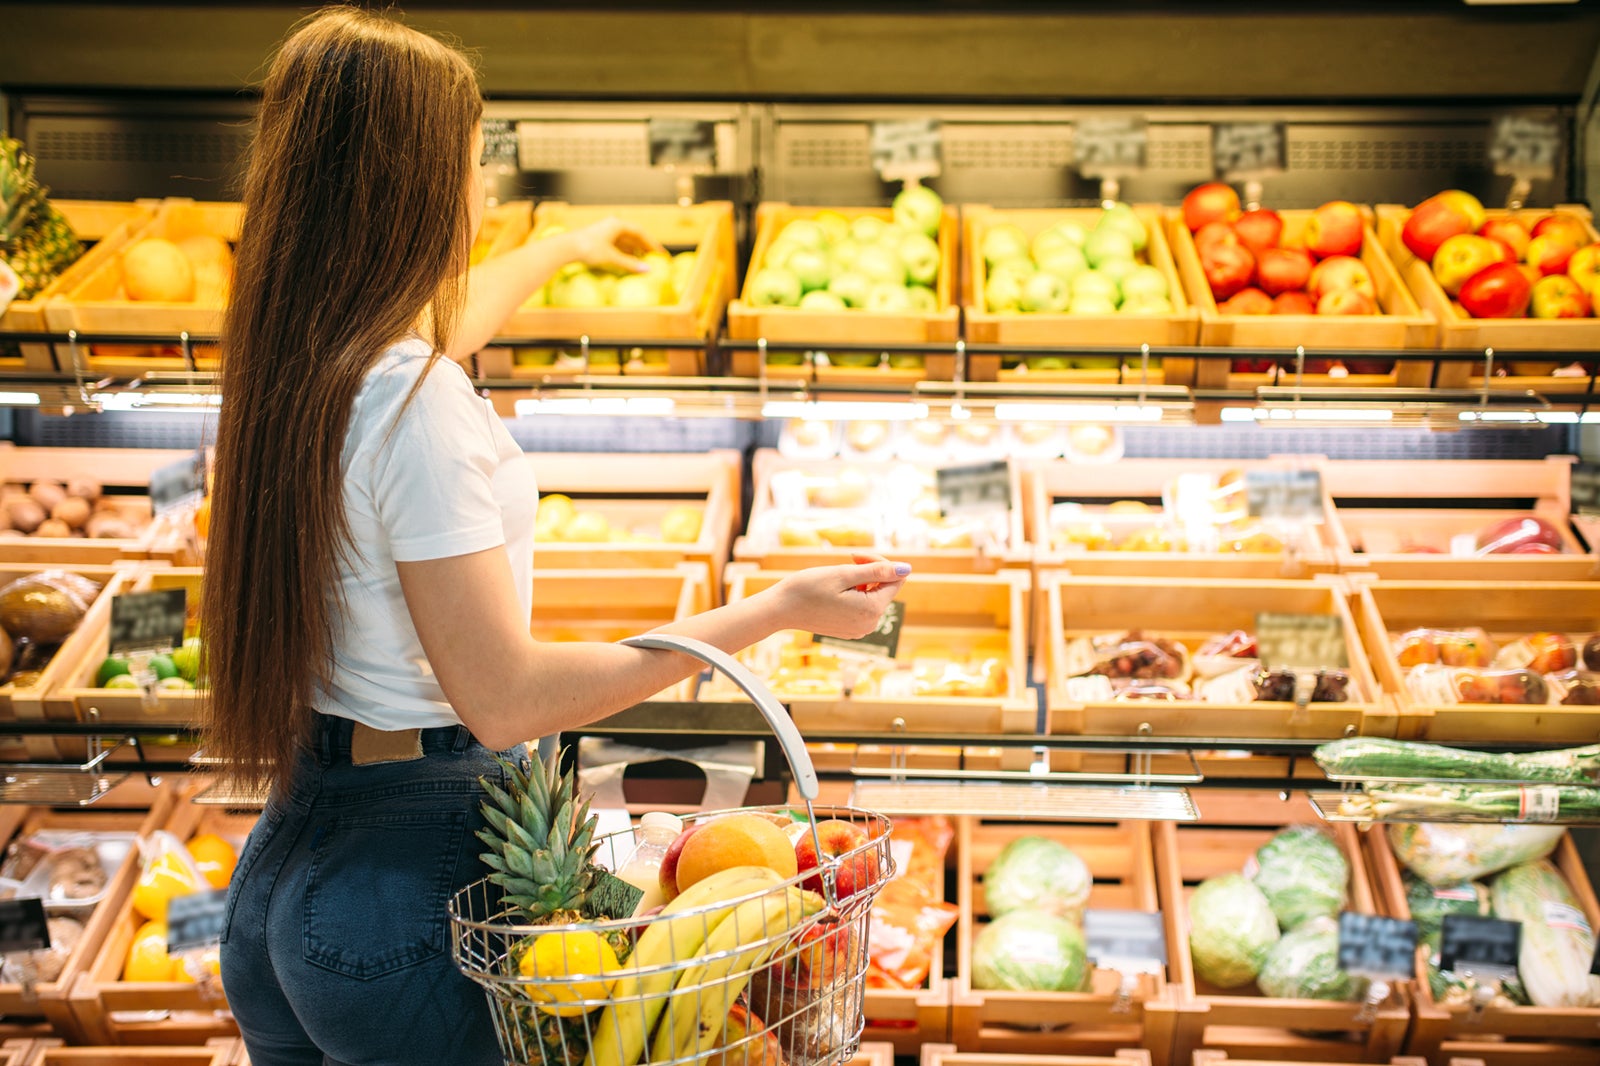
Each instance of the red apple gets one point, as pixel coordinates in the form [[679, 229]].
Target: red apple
[[1211, 202], [1284, 269], [1558, 296], [1550, 253], [1435, 220], [1247, 302], [1510, 232], [1462, 256], [1467, 204], [1215, 233], [1259, 230], [669, 862], [1502, 537], [1293, 303], [1341, 272], [1347, 302], [824, 955], [1335, 228], [1567, 226], [838, 838], [1228, 268], [1498, 291], [1584, 268]]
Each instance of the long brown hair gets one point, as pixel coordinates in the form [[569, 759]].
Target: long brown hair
[[356, 230]]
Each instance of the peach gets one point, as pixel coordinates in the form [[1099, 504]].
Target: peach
[[741, 1025], [736, 840]]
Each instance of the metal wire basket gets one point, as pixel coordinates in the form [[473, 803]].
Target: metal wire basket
[[752, 972]]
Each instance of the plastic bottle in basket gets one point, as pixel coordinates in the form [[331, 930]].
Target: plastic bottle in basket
[[642, 869]]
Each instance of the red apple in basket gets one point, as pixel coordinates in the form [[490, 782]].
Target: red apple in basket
[[1549, 253], [824, 955], [1293, 303], [1338, 273], [1499, 291], [1335, 228], [1228, 268], [669, 862], [1259, 230], [1563, 226], [1283, 269], [1211, 202], [1437, 219], [837, 838], [1509, 232], [1584, 268], [1247, 302], [1558, 296], [1347, 302], [1462, 256], [1215, 233]]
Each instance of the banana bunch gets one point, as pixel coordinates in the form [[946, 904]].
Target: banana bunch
[[726, 945]]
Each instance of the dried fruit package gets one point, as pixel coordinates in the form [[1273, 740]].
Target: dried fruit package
[[1451, 685], [909, 915], [1143, 658], [1543, 653]]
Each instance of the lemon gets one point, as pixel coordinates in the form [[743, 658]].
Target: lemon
[[120, 681], [186, 659], [147, 955], [164, 878], [572, 954], [214, 857]]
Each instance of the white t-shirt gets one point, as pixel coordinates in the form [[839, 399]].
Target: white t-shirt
[[431, 479]]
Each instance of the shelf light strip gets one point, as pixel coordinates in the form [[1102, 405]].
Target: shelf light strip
[[838, 410]]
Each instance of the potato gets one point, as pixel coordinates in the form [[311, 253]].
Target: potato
[[85, 488], [25, 513], [105, 526], [47, 493], [74, 511], [53, 527]]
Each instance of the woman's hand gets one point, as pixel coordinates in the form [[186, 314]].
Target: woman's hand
[[839, 601], [613, 244]]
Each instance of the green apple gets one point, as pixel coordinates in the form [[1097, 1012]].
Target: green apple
[[657, 262], [1121, 217], [1104, 245], [852, 287], [823, 300], [1092, 304], [1065, 262], [923, 298], [811, 267], [683, 265], [638, 290], [866, 229], [607, 283], [1004, 242], [888, 296], [1052, 239], [775, 287], [920, 255], [582, 291], [1046, 362], [854, 360], [1094, 362], [1094, 285], [1116, 270], [1044, 292], [893, 236], [1143, 281], [1002, 292], [806, 233], [919, 208], [907, 361], [1147, 305], [880, 264], [786, 358], [533, 356], [835, 225], [843, 253]]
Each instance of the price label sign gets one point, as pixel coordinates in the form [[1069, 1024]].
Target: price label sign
[[1120, 939], [23, 926], [882, 643], [1377, 947], [181, 483], [978, 489], [683, 142], [1109, 145], [1287, 495], [1586, 488], [610, 894], [1525, 147], [907, 150], [499, 141], [141, 620], [1301, 641], [196, 920], [1247, 149], [1467, 942]]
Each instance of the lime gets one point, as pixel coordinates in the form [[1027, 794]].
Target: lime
[[120, 681], [173, 684], [163, 666], [112, 667], [187, 659]]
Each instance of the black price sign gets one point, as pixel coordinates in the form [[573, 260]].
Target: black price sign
[[1377, 947], [1115, 936], [611, 895], [23, 926], [982, 488], [1243, 149], [902, 151], [1469, 942], [500, 142], [1287, 495], [178, 484], [1586, 488], [148, 619], [1525, 147], [1106, 145], [683, 142], [881, 643], [196, 920], [1301, 641]]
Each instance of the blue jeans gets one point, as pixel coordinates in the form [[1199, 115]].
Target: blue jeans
[[336, 950]]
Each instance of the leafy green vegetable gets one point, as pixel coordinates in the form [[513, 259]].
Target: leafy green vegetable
[[1447, 854], [1231, 929], [1429, 904], [1477, 803], [1029, 950], [1303, 874], [1557, 943], [1037, 873], [1377, 757], [1304, 964]]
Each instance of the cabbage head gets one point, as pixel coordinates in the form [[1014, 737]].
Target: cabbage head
[[1231, 929], [1304, 964], [1303, 874], [1037, 873], [1030, 951]]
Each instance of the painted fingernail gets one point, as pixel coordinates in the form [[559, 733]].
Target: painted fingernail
[[902, 569]]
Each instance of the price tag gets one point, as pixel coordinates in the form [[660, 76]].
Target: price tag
[[1248, 149], [148, 619], [611, 897], [979, 489], [181, 483], [881, 643], [902, 151], [1477, 944], [499, 141], [23, 926], [1586, 488], [1287, 495], [196, 920], [1377, 947], [1301, 641], [1525, 147], [1125, 940], [1103, 146], [683, 142]]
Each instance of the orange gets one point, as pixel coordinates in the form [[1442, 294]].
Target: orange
[[214, 857], [162, 880]]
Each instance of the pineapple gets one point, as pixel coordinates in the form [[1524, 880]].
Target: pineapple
[[35, 240]]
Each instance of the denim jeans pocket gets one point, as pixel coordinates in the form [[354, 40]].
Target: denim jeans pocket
[[255, 844], [377, 888]]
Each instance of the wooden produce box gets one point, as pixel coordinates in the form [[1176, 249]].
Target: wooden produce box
[[870, 1053], [1218, 1058], [705, 228], [102, 227], [216, 1052], [954, 613], [1243, 1022], [1377, 518], [763, 544], [1177, 328], [17, 1052], [98, 303], [1506, 610], [747, 322], [947, 1055], [635, 491], [1501, 1036], [1189, 612], [1091, 1022], [115, 1011]]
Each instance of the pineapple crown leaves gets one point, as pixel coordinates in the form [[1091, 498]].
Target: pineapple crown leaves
[[540, 838], [20, 193]]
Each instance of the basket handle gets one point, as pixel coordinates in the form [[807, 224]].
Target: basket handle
[[783, 727]]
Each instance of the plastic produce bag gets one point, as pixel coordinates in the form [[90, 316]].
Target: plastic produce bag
[[1444, 647], [1445, 854], [1429, 904], [1304, 964], [1303, 874], [46, 607], [1452, 685], [909, 916]]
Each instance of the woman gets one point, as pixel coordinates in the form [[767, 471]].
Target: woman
[[368, 587]]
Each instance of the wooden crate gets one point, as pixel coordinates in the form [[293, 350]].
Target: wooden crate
[[1085, 1023], [870, 1053], [761, 545], [1112, 331], [706, 228], [951, 610], [1383, 530], [1243, 1022], [97, 304], [1506, 610], [1190, 611], [216, 1052], [947, 1055], [1218, 1058], [748, 322], [1501, 1036], [103, 227], [114, 1011]]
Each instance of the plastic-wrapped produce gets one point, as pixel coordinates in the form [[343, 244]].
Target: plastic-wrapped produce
[[1443, 854], [45, 607], [1304, 964], [1141, 657], [1303, 874], [1575, 688], [1543, 653], [1557, 943], [1429, 904], [1444, 647], [1451, 685]]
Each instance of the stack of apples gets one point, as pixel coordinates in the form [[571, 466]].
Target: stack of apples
[[1069, 268], [1499, 268], [1252, 269]]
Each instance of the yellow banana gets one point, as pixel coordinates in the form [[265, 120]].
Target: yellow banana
[[619, 1036]]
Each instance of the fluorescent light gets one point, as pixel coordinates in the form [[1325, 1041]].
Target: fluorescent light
[[1498, 416], [19, 399], [657, 406], [1344, 414], [844, 411], [1067, 412], [1241, 414], [1564, 418]]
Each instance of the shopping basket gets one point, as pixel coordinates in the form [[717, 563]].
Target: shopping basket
[[771, 975]]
